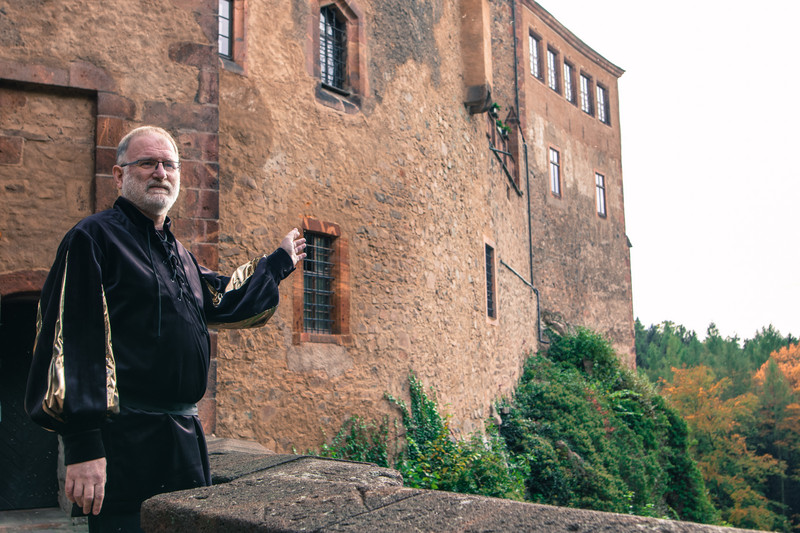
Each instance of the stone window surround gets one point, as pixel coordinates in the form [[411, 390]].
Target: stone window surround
[[601, 198], [350, 99], [238, 61], [553, 70], [535, 55], [341, 296], [491, 320], [556, 186]]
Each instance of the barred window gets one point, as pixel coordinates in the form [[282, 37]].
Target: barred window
[[491, 294], [555, 172], [226, 28], [569, 83], [332, 47], [536, 65], [586, 95], [318, 282], [602, 104], [552, 70], [600, 188]]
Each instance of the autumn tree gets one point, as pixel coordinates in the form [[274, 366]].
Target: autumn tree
[[734, 472]]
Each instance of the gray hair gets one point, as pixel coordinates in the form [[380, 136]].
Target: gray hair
[[122, 147]]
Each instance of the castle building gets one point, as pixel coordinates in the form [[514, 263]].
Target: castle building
[[455, 166]]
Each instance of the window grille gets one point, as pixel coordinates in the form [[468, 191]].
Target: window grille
[[536, 69], [602, 104], [226, 28], [332, 47], [600, 187], [555, 172], [586, 95], [491, 308], [569, 92], [552, 71], [318, 283]]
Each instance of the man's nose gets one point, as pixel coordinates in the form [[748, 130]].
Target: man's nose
[[160, 171]]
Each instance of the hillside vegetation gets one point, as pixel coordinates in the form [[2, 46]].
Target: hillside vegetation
[[579, 431], [741, 401]]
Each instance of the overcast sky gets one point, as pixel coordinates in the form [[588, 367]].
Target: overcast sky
[[710, 117]]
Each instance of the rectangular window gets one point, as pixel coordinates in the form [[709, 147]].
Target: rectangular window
[[491, 292], [600, 188], [536, 62], [552, 70], [602, 104], [586, 95], [321, 286], [332, 47], [569, 83], [318, 283], [555, 172], [226, 28]]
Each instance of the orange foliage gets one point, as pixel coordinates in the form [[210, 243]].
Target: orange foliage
[[788, 360]]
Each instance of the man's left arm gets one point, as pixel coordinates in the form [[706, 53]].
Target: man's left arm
[[250, 296]]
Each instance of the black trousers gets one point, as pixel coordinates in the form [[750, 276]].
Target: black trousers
[[115, 523], [150, 453]]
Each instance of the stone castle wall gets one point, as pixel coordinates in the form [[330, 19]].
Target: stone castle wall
[[400, 167]]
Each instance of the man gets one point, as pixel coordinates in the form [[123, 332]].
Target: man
[[122, 348]]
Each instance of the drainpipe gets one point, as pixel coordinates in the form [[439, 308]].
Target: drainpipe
[[541, 339]]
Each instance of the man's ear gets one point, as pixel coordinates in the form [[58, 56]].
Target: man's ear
[[117, 172]]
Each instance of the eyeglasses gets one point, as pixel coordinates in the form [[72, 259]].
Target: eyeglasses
[[152, 164]]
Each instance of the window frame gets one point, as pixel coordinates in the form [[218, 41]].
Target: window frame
[[535, 55], [553, 80], [603, 108], [349, 97], [340, 328], [237, 38], [229, 36], [554, 171], [333, 66], [586, 94], [569, 83], [490, 278], [601, 200]]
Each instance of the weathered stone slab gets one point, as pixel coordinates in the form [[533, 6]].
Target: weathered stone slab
[[287, 493]]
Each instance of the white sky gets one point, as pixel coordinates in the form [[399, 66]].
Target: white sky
[[710, 121]]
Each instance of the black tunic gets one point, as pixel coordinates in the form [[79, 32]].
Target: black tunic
[[122, 349]]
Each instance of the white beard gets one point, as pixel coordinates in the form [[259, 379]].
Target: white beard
[[154, 203]]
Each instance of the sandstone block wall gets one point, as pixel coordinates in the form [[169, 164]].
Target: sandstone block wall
[[400, 166]]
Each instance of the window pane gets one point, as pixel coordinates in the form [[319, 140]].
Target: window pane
[[568, 92], [586, 95], [535, 68], [555, 172], [332, 47], [552, 72], [600, 188], [318, 283], [225, 33], [491, 310]]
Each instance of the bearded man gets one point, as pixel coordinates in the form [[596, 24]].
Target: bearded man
[[122, 349]]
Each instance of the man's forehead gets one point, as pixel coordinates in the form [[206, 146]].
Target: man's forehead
[[151, 141]]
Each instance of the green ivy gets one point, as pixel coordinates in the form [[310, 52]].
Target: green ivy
[[579, 431]]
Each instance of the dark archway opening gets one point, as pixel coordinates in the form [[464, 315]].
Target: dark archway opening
[[28, 453]]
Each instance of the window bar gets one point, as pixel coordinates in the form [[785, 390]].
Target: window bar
[[318, 284], [332, 48]]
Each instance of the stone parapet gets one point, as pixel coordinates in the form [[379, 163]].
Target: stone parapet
[[292, 493]]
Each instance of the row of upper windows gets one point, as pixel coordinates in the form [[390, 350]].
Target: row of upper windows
[[562, 80], [599, 183]]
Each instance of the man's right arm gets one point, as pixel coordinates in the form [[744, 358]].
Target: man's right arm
[[71, 386]]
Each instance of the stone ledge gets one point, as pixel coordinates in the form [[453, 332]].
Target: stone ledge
[[292, 493]]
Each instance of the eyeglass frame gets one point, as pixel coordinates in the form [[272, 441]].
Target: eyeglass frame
[[176, 164]]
